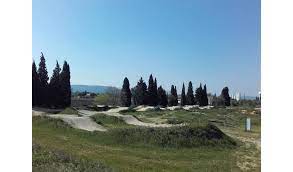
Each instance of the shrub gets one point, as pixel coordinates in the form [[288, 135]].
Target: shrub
[[174, 121], [184, 136]]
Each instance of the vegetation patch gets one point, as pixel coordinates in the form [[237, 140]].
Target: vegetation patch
[[174, 121], [109, 121], [184, 136], [69, 110], [57, 160], [51, 122]]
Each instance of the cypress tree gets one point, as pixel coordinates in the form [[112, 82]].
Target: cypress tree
[[125, 94], [205, 96], [65, 88], [183, 97], [152, 95], [155, 93], [189, 95], [35, 85], [55, 87], [225, 96], [199, 96], [176, 97], [43, 78], [162, 97], [173, 98]]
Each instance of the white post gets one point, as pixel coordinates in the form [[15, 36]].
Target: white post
[[248, 124]]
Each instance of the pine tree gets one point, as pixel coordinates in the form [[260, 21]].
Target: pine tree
[[140, 93], [43, 78], [35, 85], [125, 94], [65, 87], [189, 95], [183, 96], [55, 87], [162, 97], [225, 96]]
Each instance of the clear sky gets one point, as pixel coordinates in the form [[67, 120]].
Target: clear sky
[[216, 42]]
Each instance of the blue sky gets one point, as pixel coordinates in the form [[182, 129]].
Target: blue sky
[[209, 41]]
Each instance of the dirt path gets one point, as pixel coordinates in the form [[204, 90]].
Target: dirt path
[[84, 122], [129, 119]]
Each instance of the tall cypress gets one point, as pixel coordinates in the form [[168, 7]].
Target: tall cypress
[[155, 92], [199, 95], [183, 96], [205, 96], [189, 95], [35, 85], [176, 96], [125, 93], [152, 95], [65, 88], [55, 87], [173, 98], [162, 97], [43, 78]]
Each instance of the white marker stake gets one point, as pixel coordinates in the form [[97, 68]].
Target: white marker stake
[[248, 125]]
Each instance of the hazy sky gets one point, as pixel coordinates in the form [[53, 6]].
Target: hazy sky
[[216, 42]]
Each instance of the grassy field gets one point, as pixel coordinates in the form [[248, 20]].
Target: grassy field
[[128, 148]]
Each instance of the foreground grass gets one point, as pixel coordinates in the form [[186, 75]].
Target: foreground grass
[[57, 160], [130, 155]]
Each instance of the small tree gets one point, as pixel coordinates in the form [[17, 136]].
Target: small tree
[[225, 96], [125, 93], [183, 97], [189, 95]]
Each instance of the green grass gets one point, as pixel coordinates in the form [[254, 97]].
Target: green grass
[[69, 110], [129, 148], [102, 147], [57, 160]]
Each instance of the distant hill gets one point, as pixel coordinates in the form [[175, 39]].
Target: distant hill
[[90, 88]]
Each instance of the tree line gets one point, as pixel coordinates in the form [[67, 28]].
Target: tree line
[[55, 92], [151, 94]]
